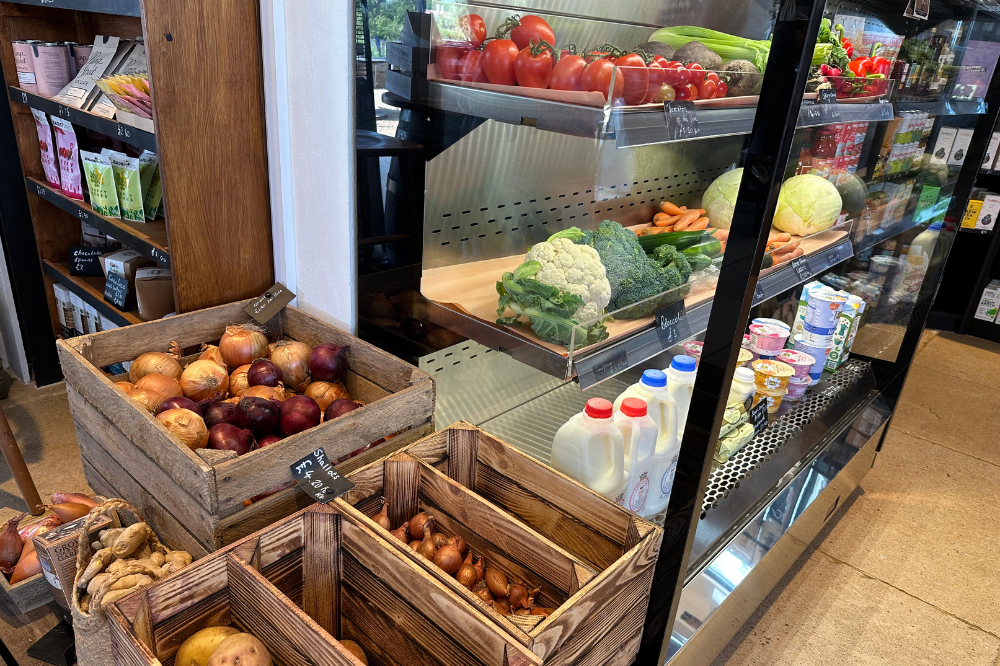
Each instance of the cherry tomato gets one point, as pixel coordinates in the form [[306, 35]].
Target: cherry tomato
[[473, 27], [671, 73], [697, 73], [531, 29], [721, 90], [597, 78], [686, 93], [712, 76], [633, 69], [472, 67], [661, 61], [449, 58], [666, 94], [706, 89], [693, 89], [533, 66], [498, 61], [567, 72], [656, 74]]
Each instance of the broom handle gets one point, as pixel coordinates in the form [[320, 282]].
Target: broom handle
[[12, 454]]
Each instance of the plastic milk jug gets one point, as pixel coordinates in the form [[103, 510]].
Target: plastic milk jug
[[639, 432], [589, 448], [680, 383], [660, 405]]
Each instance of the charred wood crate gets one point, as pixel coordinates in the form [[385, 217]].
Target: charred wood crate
[[301, 586], [196, 498], [589, 559]]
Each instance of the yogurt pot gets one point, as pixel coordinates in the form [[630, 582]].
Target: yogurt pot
[[745, 357], [823, 309], [771, 377], [746, 342], [693, 349], [817, 341], [817, 330], [880, 267], [796, 388], [800, 361], [818, 353], [756, 355], [765, 338], [771, 322]]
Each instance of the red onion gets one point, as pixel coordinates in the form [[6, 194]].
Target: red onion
[[179, 403], [219, 412], [268, 441], [227, 437], [10, 544], [298, 413], [328, 362], [339, 408], [263, 372], [260, 415]]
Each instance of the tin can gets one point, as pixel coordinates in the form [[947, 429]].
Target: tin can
[[72, 60], [81, 54], [51, 63], [24, 63]]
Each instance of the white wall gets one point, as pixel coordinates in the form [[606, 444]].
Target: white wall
[[308, 49]]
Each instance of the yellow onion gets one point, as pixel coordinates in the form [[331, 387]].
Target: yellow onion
[[124, 387], [241, 345], [154, 362], [167, 387], [212, 353], [292, 357], [204, 379], [148, 398], [186, 426], [238, 381], [266, 392], [326, 392]]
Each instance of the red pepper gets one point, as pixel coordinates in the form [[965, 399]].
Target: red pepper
[[848, 47], [879, 65], [861, 66]]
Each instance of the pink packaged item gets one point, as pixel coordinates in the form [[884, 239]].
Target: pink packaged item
[[46, 149], [693, 349], [796, 388], [800, 361], [767, 338], [69, 159]]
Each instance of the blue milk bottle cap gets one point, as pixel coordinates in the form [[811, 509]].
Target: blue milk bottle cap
[[683, 363], [654, 378], [935, 226]]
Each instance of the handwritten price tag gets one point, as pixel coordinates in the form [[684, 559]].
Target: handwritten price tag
[[801, 268], [270, 304], [758, 293], [672, 325], [86, 261], [316, 475], [758, 417], [682, 120], [116, 290]]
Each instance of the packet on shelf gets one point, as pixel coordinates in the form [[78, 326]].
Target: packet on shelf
[[101, 183], [128, 185], [45, 146]]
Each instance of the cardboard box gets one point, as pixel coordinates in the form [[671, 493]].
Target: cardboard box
[[154, 290], [991, 151], [57, 554], [990, 302], [987, 218], [942, 147], [960, 148]]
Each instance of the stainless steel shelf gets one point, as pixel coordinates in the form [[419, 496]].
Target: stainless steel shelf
[[117, 7], [944, 107]]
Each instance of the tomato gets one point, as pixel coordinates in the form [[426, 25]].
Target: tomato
[[712, 76], [693, 89], [449, 58], [531, 29], [656, 74], [472, 67], [661, 61], [597, 78], [533, 66], [567, 72], [671, 73], [498, 61], [706, 89], [721, 90], [697, 73], [686, 93], [473, 27], [632, 68], [666, 94]]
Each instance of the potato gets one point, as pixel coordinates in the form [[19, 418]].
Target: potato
[[199, 646], [240, 650]]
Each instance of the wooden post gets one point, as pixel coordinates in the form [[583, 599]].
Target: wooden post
[[12, 454]]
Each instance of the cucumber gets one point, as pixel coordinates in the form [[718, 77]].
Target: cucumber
[[710, 247], [698, 261], [767, 262], [679, 239]]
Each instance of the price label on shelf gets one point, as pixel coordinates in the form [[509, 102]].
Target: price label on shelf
[[801, 268], [611, 366], [809, 112], [833, 256], [827, 96], [316, 475], [682, 120], [116, 290], [758, 417], [758, 293], [672, 325], [270, 303], [86, 261]]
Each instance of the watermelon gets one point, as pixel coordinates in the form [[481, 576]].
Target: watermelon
[[853, 193]]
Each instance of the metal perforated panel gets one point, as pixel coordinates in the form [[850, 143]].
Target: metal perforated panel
[[504, 187], [727, 476]]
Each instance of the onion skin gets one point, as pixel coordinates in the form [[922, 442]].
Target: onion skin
[[263, 372], [299, 413], [153, 362], [466, 574], [382, 519], [260, 416], [401, 532], [268, 441], [75, 498], [242, 345], [178, 403], [448, 558], [328, 362], [426, 546], [47, 523], [497, 582], [326, 392], [238, 381], [292, 357], [459, 542], [339, 408], [212, 353], [167, 387], [150, 400], [124, 387], [417, 524], [219, 412], [69, 511], [275, 393], [227, 437], [185, 425], [204, 380], [11, 544]]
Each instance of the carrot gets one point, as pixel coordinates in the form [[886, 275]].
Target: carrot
[[669, 208], [778, 236], [668, 221], [659, 217], [686, 220], [774, 245], [699, 224], [788, 256], [723, 245], [787, 248], [682, 209], [721, 234]]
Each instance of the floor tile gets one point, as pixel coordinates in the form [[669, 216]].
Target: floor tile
[[962, 356], [927, 523], [831, 614], [950, 411]]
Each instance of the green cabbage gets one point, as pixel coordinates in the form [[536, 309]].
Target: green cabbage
[[720, 198], [807, 204]]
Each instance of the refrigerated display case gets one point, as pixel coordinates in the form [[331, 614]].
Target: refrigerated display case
[[812, 188]]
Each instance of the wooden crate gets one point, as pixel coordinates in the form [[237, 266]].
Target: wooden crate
[[299, 586], [196, 498], [592, 559], [25, 595]]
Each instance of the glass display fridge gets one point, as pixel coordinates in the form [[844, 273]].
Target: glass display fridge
[[739, 210]]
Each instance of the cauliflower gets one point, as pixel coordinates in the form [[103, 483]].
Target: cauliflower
[[573, 268]]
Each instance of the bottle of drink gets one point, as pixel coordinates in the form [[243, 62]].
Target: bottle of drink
[[589, 448], [639, 433], [680, 383]]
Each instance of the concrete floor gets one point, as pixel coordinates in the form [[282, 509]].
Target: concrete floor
[[906, 573]]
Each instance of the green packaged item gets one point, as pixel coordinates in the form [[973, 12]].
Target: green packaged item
[[101, 182], [733, 442], [147, 167], [734, 416], [128, 185], [152, 198]]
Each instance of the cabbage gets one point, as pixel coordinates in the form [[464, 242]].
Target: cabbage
[[807, 204], [720, 198]]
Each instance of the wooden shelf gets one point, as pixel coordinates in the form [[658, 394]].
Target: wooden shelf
[[126, 133], [146, 238], [116, 7], [91, 290]]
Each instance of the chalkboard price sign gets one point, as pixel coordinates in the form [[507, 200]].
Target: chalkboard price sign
[[672, 325], [316, 475], [758, 416], [86, 261], [116, 290], [827, 96], [682, 120]]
